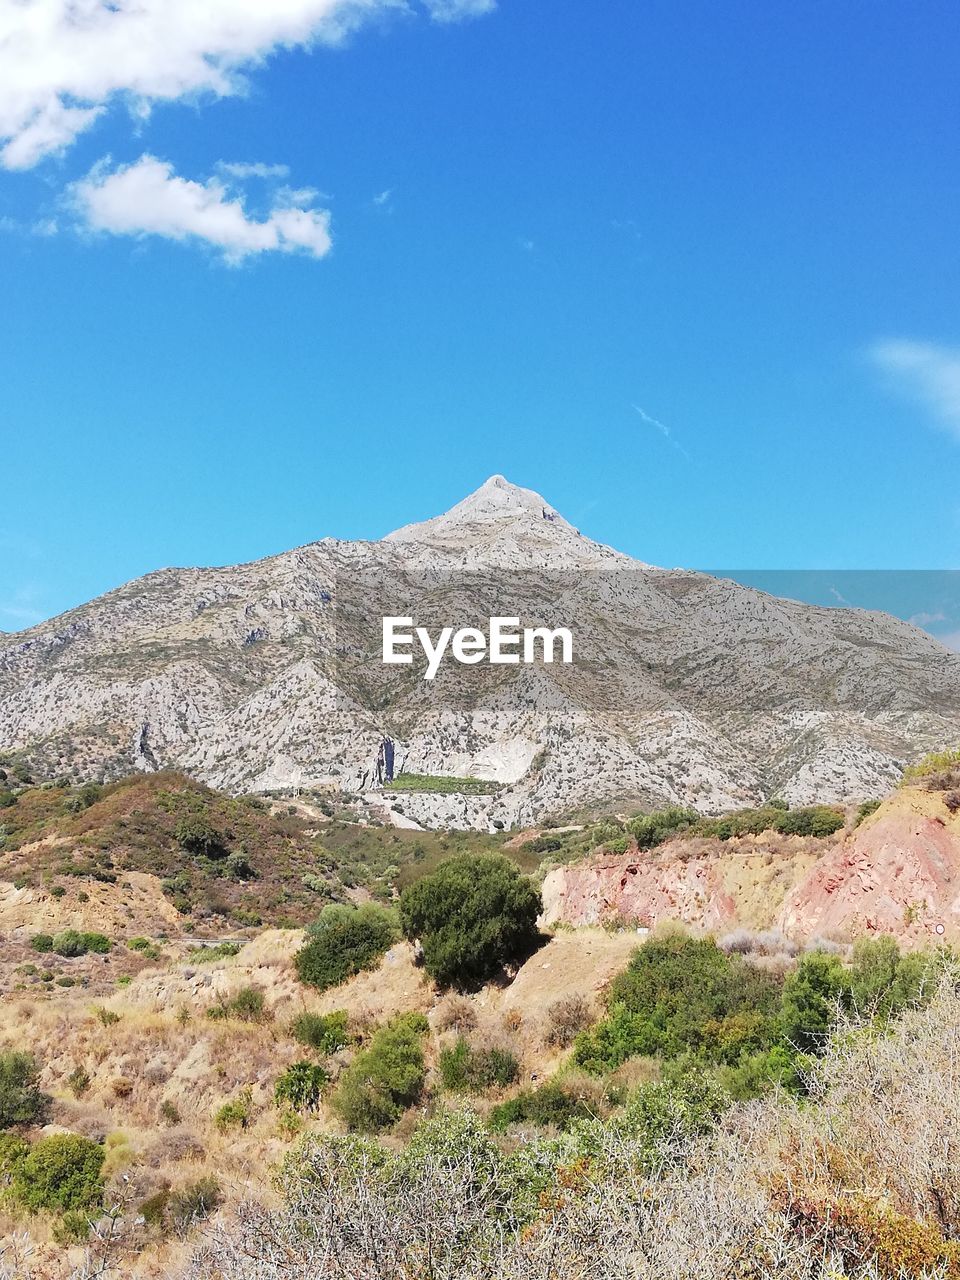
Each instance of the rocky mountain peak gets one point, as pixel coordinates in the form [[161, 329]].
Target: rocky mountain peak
[[497, 501]]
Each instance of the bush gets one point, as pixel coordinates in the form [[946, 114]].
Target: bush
[[384, 1079], [196, 834], [42, 942], [21, 1099], [301, 1086], [61, 1173], [78, 1081], [455, 1013], [650, 829], [192, 1203], [323, 1032], [473, 915], [864, 811], [236, 1113], [220, 951], [345, 941], [679, 996], [551, 1104], [249, 1005], [818, 820], [13, 1152], [70, 943], [812, 996], [565, 1019], [465, 1069]]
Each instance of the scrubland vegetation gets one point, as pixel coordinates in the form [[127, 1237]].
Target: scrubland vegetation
[[368, 1099]]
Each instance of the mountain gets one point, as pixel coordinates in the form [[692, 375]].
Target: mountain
[[684, 688]]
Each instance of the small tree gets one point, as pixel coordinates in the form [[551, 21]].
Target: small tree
[[812, 995], [21, 1099], [473, 915]]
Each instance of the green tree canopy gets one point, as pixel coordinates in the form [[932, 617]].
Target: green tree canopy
[[473, 915]]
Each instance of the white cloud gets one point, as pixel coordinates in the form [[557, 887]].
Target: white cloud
[[458, 10], [63, 61], [926, 371], [383, 197], [241, 169], [148, 198]]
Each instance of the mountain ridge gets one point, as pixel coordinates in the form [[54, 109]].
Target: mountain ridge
[[687, 689]]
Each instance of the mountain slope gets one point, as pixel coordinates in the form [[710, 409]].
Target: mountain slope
[[684, 688]]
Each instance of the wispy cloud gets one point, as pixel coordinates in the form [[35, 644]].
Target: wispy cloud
[[383, 199], [149, 199], [458, 10], [662, 427], [927, 372], [245, 169], [64, 62]]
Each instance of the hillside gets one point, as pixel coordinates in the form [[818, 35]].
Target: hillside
[[685, 689], [897, 871]]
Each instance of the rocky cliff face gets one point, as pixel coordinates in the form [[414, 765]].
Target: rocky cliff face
[[898, 873], [684, 688]]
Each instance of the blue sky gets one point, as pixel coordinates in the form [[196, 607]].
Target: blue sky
[[690, 270]]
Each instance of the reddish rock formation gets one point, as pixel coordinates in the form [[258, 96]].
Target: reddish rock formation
[[899, 873]]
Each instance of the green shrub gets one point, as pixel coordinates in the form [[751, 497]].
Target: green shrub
[[812, 995], [61, 1173], [21, 1099], [13, 1152], [196, 834], [818, 820], [384, 1079], [323, 1032], [301, 1086], [650, 829], [221, 951], [70, 943], [236, 1113], [473, 915], [169, 1112], [345, 941], [865, 810], [465, 1069], [78, 1081], [42, 942], [682, 995], [73, 1227], [249, 1005], [550, 1104]]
